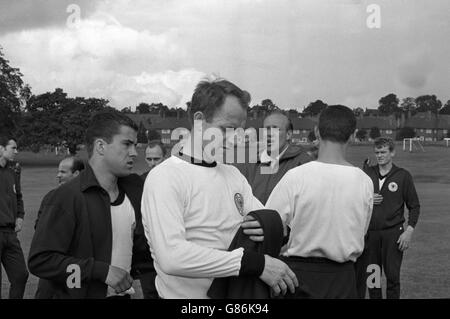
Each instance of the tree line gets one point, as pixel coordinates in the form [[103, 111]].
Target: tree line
[[53, 118]]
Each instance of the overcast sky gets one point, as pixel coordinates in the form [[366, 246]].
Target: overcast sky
[[293, 52]]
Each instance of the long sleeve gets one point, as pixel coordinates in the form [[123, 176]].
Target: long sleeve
[[163, 208], [412, 201], [49, 257]]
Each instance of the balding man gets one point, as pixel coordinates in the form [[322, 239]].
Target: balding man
[[154, 155], [274, 161], [68, 169]]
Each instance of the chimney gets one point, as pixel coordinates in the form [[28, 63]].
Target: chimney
[[403, 120], [429, 114], [178, 113]]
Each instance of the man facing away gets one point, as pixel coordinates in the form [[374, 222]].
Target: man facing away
[[387, 239], [11, 218], [274, 161], [193, 206], [90, 229], [68, 168], [327, 205]]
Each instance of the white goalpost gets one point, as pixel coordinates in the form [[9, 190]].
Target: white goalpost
[[413, 141]]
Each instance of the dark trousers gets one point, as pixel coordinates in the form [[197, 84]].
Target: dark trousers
[[148, 285], [321, 278], [13, 261], [381, 249]]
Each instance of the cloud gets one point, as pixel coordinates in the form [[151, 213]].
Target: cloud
[[102, 58], [18, 15], [415, 69]]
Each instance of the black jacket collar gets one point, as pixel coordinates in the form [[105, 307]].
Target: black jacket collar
[[88, 179]]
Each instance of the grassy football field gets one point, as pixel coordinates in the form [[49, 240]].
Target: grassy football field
[[425, 269]]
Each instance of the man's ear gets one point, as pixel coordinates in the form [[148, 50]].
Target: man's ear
[[76, 173], [316, 132], [199, 121], [99, 146]]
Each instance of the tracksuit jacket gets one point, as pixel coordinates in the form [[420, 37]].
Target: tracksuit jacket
[[263, 184], [11, 203], [398, 189], [75, 228]]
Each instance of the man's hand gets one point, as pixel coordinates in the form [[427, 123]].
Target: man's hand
[[252, 228], [377, 199], [19, 222], [118, 279], [278, 276], [405, 238]]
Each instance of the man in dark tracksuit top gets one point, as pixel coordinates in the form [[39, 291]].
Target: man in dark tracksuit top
[[93, 223], [265, 174], [386, 239], [11, 218], [68, 169]]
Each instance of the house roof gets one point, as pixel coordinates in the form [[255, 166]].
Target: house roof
[[170, 123], [303, 123], [428, 123], [155, 122], [383, 123]]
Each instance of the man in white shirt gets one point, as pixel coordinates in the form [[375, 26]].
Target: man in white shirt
[[327, 204], [193, 206]]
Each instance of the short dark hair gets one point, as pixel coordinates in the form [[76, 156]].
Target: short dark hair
[[337, 123], [153, 143], [106, 124], [210, 95], [5, 139], [77, 165], [384, 141], [289, 127]]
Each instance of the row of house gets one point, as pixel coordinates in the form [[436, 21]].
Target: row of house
[[428, 127]]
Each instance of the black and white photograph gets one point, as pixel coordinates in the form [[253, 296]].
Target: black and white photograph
[[247, 151]]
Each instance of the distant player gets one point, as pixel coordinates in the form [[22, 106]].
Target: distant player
[[11, 218], [327, 204], [387, 239]]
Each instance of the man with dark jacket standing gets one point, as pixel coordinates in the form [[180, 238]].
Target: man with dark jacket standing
[[11, 218], [274, 161], [90, 232], [386, 239]]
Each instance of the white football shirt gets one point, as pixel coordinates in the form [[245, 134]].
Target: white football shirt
[[190, 215], [328, 208]]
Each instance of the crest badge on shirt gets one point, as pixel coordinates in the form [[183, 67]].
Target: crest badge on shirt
[[239, 202], [393, 187]]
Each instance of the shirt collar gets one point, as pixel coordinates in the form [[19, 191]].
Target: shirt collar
[[88, 179], [265, 158]]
